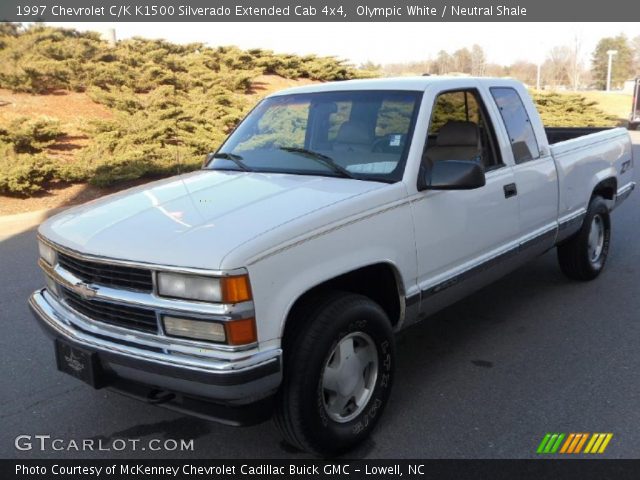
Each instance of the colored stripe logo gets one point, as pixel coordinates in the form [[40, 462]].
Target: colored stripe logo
[[573, 443]]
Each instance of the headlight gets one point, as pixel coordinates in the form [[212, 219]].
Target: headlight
[[193, 287], [47, 253], [207, 289], [234, 332], [187, 328]]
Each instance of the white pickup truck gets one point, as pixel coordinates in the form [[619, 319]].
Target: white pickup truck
[[272, 281]]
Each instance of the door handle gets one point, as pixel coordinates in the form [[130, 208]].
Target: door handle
[[510, 190]]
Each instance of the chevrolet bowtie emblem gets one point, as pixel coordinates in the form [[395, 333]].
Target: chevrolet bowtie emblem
[[84, 290]]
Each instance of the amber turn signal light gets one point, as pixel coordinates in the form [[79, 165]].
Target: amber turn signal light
[[236, 289], [241, 332]]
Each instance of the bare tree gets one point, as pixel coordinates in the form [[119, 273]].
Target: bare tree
[[575, 68], [524, 71], [557, 66], [478, 60], [494, 70], [443, 63], [462, 60], [412, 68], [635, 45]]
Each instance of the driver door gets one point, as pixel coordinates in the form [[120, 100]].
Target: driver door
[[461, 233]]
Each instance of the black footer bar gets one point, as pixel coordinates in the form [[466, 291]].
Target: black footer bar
[[583, 469]]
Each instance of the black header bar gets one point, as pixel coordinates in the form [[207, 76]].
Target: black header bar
[[319, 11]]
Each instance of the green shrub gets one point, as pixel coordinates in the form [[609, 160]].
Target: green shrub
[[23, 174], [24, 168], [40, 59], [163, 132], [172, 103], [30, 135], [571, 110]]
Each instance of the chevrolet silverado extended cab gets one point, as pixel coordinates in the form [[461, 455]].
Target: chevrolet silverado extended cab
[[272, 281]]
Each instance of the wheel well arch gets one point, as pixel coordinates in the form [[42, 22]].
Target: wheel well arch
[[381, 282], [607, 189]]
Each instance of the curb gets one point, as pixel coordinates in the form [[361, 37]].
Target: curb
[[21, 222]]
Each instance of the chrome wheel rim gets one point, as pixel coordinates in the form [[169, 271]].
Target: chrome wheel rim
[[349, 377], [596, 239]]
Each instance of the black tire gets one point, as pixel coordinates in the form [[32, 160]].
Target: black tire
[[577, 260], [633, 126], [302, 414]]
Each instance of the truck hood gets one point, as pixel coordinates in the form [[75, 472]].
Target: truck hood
[[194, 220]]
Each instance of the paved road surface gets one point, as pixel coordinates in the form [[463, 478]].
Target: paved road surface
[[486, 378]]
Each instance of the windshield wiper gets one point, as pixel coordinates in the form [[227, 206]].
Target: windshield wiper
[[237, 159], [324, 159]]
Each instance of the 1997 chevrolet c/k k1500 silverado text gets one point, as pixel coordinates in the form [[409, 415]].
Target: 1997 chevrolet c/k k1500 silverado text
[[271, 282]]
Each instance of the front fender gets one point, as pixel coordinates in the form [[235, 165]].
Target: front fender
[[283, 276]]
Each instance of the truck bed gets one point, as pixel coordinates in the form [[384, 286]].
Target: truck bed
[[561, 134], [586, 156]]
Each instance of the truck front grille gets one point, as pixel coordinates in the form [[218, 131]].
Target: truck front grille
[[117, 276], [136, 318]]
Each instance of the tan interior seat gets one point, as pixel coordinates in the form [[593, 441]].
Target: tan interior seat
[[353, 137], [456, 140]]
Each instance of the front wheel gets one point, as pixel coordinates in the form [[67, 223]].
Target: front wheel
[[338, 370], [583, 256]]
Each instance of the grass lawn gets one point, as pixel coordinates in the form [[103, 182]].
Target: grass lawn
[[614, 103]]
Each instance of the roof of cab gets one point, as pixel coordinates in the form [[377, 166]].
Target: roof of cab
[[397, 83]]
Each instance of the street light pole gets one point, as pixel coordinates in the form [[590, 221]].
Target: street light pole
[[611, 53]]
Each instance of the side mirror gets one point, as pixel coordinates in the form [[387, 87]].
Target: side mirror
[[208, 157], [453, 175]]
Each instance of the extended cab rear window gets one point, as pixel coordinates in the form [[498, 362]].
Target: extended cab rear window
[[516, 120]]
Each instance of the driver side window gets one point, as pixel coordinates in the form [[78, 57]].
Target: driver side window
[[459, 129]]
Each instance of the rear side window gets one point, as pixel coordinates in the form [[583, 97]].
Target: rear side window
[[517, 123]]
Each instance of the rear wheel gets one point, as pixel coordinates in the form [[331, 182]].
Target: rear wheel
[[633, 126], [338, 370], [583, 256]]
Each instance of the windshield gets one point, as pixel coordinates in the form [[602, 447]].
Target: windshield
[[352, 134]]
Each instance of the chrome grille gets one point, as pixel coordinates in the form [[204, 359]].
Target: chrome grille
[[142, 319], [118, 276]]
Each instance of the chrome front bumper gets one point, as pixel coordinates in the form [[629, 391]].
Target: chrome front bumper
[[238, 377]]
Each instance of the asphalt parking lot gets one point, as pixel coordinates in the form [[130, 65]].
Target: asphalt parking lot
[[486, 378]]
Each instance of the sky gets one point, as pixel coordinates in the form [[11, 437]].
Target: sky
[[382, 43]]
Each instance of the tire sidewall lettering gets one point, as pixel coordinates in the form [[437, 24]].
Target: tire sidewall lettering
[[365, 420]]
